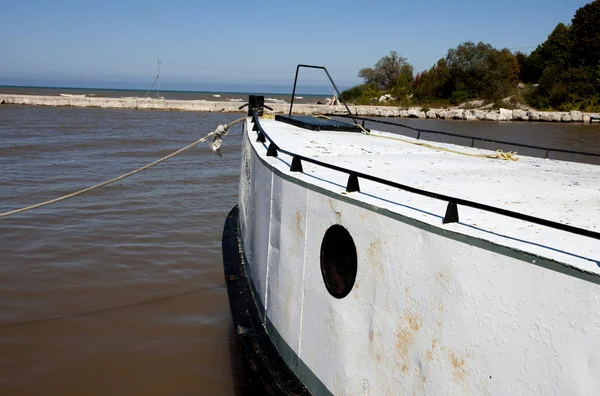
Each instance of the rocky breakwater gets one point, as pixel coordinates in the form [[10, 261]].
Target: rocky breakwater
[[307, 109], [162, 104], [478, 114], [122, 103]]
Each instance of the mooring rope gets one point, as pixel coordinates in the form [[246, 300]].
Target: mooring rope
[[215, 146]]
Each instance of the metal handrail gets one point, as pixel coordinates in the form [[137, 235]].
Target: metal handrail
[[330, 79], [473, 138], [452, 211]]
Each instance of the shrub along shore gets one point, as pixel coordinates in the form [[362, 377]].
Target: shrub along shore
[[307, 109]]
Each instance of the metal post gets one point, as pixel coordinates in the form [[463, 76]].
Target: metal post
[[294, 90]]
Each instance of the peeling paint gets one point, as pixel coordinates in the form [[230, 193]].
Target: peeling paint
[[458, 368], [299, 223]]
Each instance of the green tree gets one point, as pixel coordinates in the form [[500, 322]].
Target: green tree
[[467, 64], [586, 33], [435, 83], [389, 72], [500, 75], [555, 51], [567, 64], [469, 71]]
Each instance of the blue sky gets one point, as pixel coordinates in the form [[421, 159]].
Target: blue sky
[[116, 43]]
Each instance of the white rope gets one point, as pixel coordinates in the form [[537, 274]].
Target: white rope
[[215, 146]]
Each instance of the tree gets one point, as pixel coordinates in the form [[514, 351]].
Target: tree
[[500, 75], [567, 65], [472, 70], [586, 33], [468, 64], [435, 83], [559, 46], [390, 71]]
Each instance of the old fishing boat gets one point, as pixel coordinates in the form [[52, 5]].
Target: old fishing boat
[[364, 262]]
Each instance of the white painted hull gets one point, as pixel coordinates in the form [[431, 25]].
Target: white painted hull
[[433, 311]]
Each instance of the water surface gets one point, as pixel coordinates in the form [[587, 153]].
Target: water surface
[[121, 291]]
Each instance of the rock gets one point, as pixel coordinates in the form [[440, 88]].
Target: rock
[[442, 114], [1, 100], [566, 117], [506, 114], [533, 115], [431, 114], [416, 112], [404, 113], [550, 116], [470, 115], [387, 112], [520, 115], [479, 114], [492, 116], [576, 116], [455, 114], [520, 85], [591, 117], [385, 98]]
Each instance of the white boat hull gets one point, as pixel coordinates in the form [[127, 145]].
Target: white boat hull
[[432, 311]]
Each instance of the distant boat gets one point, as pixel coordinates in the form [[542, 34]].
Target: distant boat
[[364, 262]]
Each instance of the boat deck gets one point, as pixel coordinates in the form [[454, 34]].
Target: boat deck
[[554, 190]]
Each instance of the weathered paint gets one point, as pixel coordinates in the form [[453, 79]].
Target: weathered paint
[[436, 309]]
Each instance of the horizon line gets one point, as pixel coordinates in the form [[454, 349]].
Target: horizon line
[[162, 90]]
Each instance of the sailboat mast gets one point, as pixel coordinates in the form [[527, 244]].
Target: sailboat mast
[[158, 76]]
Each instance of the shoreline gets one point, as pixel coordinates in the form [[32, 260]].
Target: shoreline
[[303, 109]]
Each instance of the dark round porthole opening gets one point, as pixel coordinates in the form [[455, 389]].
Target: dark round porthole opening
[[338, 261]]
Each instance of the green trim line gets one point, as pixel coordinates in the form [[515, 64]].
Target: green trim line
[[308, 378], [540, 261]]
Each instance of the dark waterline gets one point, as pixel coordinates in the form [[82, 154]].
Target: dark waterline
[[121, 290]]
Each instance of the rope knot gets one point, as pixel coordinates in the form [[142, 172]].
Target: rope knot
[[508, 156], [217, 135]]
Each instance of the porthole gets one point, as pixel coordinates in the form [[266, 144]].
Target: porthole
[[338, 261]]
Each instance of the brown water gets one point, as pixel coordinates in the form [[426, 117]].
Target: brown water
[[121, 291]]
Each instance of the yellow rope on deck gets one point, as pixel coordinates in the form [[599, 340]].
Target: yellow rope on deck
[[509, 156]]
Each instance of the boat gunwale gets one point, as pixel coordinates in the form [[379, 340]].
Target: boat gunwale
[[274, 148]]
